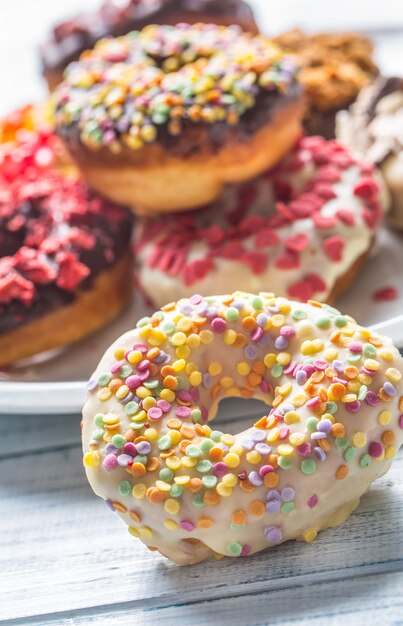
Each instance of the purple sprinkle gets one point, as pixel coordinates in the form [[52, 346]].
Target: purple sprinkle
[[353, 407], [304, 449], [116, 366], [238, 304], [265, 469], [324, 426], [312, 501], [91, 384], [196, 299], [264, 386], [262, 448], [250, 352], [309, 369], [258, 434], [130, 448], [321, 454], [124, 459], [110, 462], [201, 310], [375, 449], [140, 347], [186, 309], [109, 504], [273, 534], [288, 331], [133, 381], [284, 432], [207, 380], [273, 494], [164, 405], [143, 365], [287, 494], [273, 309], [401, 421], [144, 375], [365, 370], [204, 413], [264, 341], [110, 449], [319, 364], [245, 550], [184, 396], [255, 479], [389, 389], [290, 368], [220, 469], [281, 343], [301, 377], [143, 447], [247, 444], [338, 366], [261, 320], [371, 398], [257, 334], [194, 393], [273, 506], [127, 398], [183, 412], [318, 435], [355, 347], [211, 312], [154, 413], [186, 525]]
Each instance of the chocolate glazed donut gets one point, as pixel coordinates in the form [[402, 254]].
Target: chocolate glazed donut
[[70, 38]]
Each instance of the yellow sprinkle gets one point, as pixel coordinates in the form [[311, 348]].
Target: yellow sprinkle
[[139, 417], [359, 439], [232, 460], [386, 354], [149, 403], [178, 339], [365, 379], [146, 532], [170, 524], [390, 452], [299, 400], [284, 390], [226, 382], [270, 359], [230, 480], [206, 337], [179, 365], [119, 353], [111, 418], [238, 450], [191, 367], [284, 358], [371, 364], [253, 457], [228, 439], [215, 368], [183, 352], [243, 368], [151, 434], [173, 462], [223, 490], [273, 435], [229, 337], [139, 491], [162, 486], [87, 460], [104, 394], [330, 354], [188, 462], [353, 386], [195, 379], [292, 417], [156, 337], [143, 392], [193, 341], [349, 397], [284, 306], [393, 374], [384, 417], [285, 449], [168, 395], [310, 535], [133, 531], [182, 480], [175, 436], [307, 347], [184, 324], [296, 439], [277, 320]]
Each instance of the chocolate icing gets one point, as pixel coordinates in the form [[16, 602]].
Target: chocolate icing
[[56, 236], [70, 38]]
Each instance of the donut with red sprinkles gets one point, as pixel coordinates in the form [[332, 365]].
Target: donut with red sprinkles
[[302, 229], [61, 247]]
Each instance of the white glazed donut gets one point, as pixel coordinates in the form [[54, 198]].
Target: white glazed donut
[[303, 231], [189, 490]]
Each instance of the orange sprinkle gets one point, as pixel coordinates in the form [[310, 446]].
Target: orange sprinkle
[[216, 454], [259, 367], [174, 423], [335, 336], [324, 444], [239, 518], [262, 423], [319, 408], [249, 323], [204, 522], [341, 472], [194, 485], [336, 391], [257, 508], [130, 435], [153, 368], [118, 506], [187, 431], [153, 352], [166, 454], [170, 382], [273, 460], [277, 400], [136, 517], [183, 445], [153, 464], [114, 384], [169, 307], [388, 437], [384, 396], [271, 480], [272, 422], [317, 376], [245, 393], [401, 403], [247, 486], [167, 370], [154, 495], [211, 497], [138, 470], [351, 372], [140, 438], [254, 379], [199, 320], [338, 431], [375, 342], [215, 391], [330, 372], [240, 341], [319, 305], [200, 430]]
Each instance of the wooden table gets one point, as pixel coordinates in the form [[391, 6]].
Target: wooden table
[[65, 559]]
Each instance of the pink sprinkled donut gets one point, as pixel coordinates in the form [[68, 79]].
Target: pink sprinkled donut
[[302, 230]]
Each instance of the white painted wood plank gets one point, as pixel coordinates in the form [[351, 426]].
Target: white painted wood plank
[[369, 600], [61, 549]]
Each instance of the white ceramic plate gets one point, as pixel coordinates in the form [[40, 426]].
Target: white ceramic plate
[[57, 385]]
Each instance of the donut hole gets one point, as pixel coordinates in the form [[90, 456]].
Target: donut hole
[[239, 413]]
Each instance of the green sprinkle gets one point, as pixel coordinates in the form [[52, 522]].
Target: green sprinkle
[[235, 527], [168, 328], [142, 322], [285, 462], [209, 481], [204, 466], [299, 315], [311, 424], [332, 309], [206, 446], [176, 491], [287, 507], [98, 434], [150, 384], [350, 453], [365, 460], [341, 443], [216, 435], [277, 370], [340, 321], [193, 451], [362, 394], [125, 488], [369, 350], [118, 441], [196, 417], [354, 358], [234, 549], [104, 380], [125, 371], [131, 408], [323, 322], [137, 425], [99, 420], [331, 407], [140, 458], [166, 475], [257, 303], [308, 466], [165, 442], [181, 382], [197, 500], [232, 314]]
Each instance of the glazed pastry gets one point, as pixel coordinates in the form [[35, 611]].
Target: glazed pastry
[[374, 128], [191, 491], [69, 39], [162, 119], [304, 228], [334, 67], [65, 260]]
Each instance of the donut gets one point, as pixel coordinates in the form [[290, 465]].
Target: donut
[[373, 127], [70, 38], [333, 69], [190, 490], [65, 258], [161, 119], [303, 229]]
